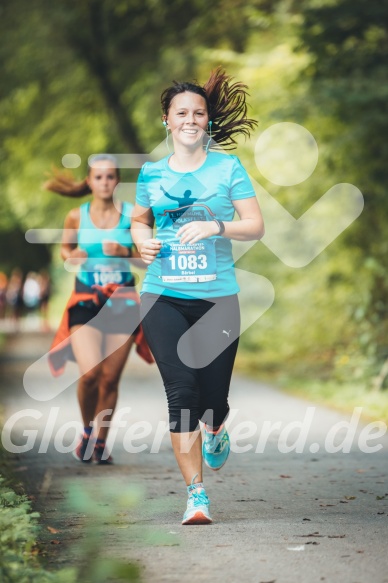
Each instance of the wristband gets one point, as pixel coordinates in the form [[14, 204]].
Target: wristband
[[221, 227]]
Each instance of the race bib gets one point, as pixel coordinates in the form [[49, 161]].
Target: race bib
[[103, 274], [192, 263]]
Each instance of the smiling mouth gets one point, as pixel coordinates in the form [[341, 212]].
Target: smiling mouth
[[190, 132]]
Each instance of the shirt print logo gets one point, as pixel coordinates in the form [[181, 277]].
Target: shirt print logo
[[189, 208]]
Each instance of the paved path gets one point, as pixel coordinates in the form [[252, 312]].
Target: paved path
[[285, 517]]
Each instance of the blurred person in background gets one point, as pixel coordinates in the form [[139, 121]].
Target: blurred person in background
[[31, 291], [44, 298], [101, 320], [14, 297], [3, 294]]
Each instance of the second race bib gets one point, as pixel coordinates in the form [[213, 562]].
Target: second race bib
[[104, 274]]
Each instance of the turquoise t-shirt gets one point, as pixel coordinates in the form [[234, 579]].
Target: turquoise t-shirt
[[205, 269], [100, 269]]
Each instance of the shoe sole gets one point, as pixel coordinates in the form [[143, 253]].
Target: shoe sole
[[198, 518], [219, 467], [102, 462]]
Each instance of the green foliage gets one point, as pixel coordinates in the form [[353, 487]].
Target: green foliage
[[347, 41], [85, 77], [110, 508], [18, 531], [343, 396]]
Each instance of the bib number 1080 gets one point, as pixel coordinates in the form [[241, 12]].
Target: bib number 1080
[[192, 262]]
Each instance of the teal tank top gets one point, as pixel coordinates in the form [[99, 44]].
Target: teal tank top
[[101, 269]]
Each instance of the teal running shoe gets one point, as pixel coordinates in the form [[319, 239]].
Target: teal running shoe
[[215, 449], [197, 511]]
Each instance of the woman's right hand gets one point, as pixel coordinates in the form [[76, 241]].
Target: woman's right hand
[[77, 256], [149, 250]]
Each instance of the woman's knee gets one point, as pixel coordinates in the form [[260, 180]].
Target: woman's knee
[[108, 381], [90, 379]]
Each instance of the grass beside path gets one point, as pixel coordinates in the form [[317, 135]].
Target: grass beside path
[[20, 559], [19, 527], [342, 396], [22, 556]]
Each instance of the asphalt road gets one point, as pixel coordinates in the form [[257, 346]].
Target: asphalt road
[[280, 515]]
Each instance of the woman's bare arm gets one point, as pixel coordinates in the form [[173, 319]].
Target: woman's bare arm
[[142, 234]]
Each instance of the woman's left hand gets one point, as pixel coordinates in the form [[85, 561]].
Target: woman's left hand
[[196, 230]]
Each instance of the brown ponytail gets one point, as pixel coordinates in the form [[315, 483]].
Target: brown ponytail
[[227, 108], [63, 182]]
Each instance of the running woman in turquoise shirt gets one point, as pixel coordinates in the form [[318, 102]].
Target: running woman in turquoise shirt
[[189, 304], [103, 314]]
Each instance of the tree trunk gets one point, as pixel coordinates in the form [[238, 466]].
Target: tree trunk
[[378, 381], [125, 127], [92, 48]]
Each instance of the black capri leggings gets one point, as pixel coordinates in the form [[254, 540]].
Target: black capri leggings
[[196, 367]]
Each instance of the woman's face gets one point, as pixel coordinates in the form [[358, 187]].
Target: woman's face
[[103, 179], [187, 119]]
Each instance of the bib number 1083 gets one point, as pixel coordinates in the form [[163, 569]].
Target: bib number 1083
[[188, 263], [192, 262]]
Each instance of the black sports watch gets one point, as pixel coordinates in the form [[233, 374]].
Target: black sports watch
[[221, 226]]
